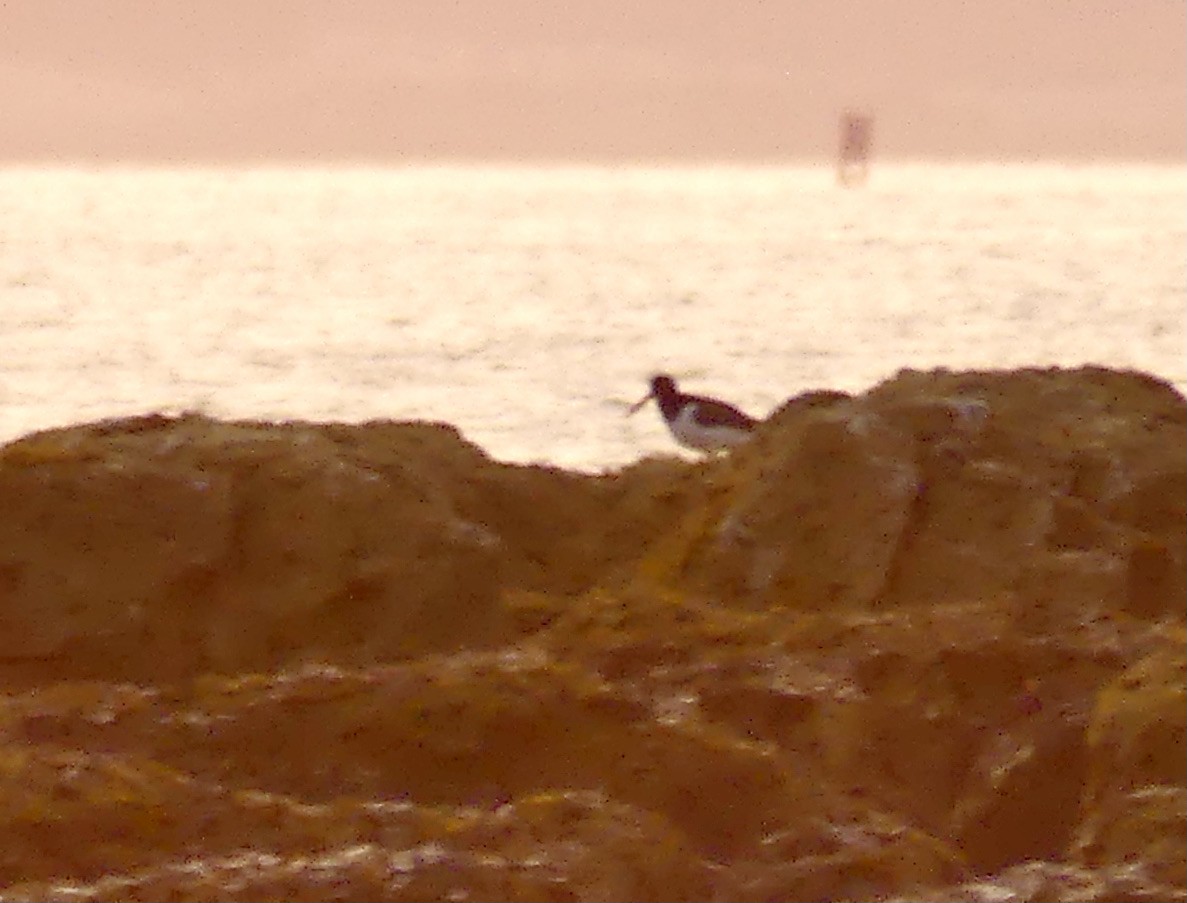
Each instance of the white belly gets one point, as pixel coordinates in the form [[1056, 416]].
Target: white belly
[[704, 438]]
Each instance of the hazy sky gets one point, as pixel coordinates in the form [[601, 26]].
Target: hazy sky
[[377, 80]]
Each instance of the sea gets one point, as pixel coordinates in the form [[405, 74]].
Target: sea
[[528, 306]]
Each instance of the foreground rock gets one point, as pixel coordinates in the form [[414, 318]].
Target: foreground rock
[[924, 642]]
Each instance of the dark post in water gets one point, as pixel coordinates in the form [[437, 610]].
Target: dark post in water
[[853, 157]]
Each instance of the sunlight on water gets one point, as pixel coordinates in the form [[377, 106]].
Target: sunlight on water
[[528, 306]]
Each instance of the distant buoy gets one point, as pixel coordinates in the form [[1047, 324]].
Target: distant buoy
[[853, 158]]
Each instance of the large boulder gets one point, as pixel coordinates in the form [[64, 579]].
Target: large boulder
[[168, 547], [1062, 489]]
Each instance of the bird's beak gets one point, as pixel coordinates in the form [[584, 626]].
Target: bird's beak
[[638, 404]]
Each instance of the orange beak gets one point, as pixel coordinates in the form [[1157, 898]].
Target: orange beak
[[638, 404]]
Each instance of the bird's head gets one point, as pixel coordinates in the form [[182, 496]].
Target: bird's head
[[662, 386]]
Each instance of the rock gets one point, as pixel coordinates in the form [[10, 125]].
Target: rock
[[195, 545], [939, 488], [926, 642], [1135, 801]]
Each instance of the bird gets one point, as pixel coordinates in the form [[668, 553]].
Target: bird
[[703, 424]]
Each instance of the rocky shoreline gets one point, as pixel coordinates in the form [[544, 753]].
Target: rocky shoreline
[[926, 642]]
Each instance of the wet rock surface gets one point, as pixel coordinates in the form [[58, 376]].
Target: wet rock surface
[[922, 643]]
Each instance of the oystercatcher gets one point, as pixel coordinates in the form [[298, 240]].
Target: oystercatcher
[[704, 424]]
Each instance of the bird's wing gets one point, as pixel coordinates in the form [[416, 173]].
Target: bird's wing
[[712, 412]]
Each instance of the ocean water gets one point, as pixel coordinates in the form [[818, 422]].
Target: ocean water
[[529, 306]]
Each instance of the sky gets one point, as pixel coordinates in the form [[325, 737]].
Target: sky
[[330, 81]]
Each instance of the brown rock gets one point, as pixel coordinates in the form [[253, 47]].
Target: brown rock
[[926, 642], [168, 547]]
